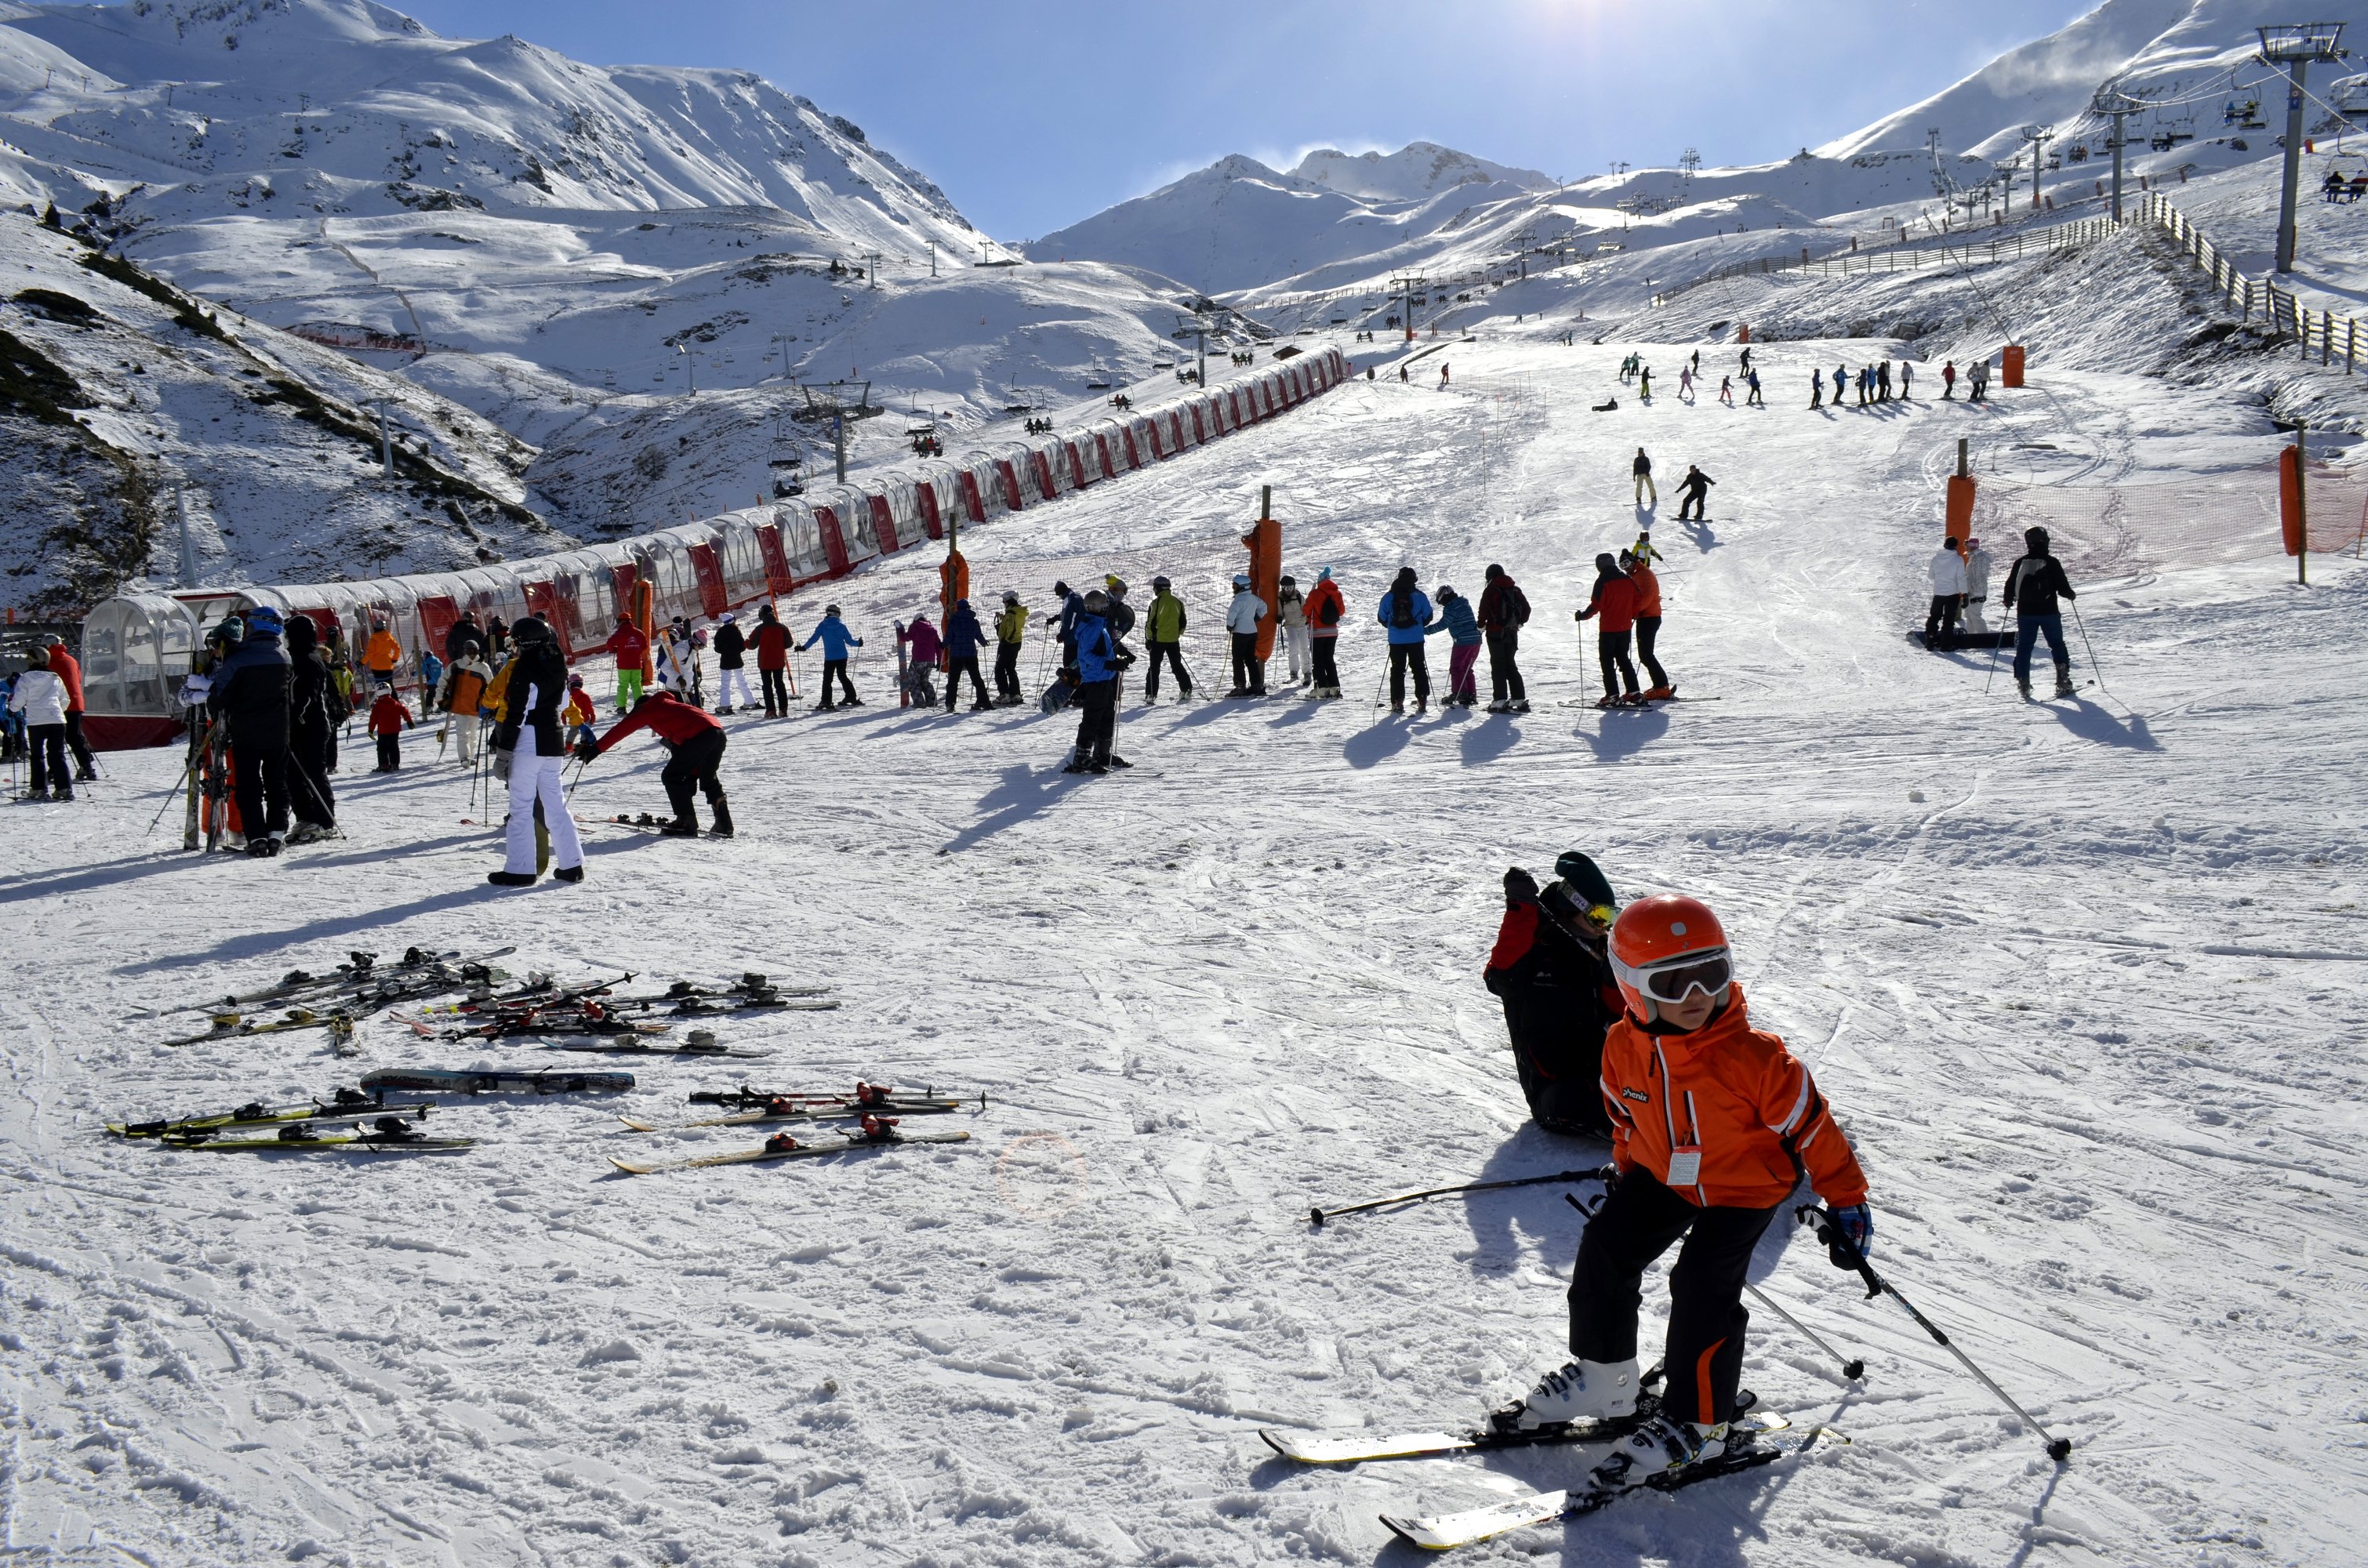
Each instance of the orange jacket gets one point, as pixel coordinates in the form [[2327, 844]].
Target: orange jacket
[[1325, 609], [382, 653], [1648, 590], [1738, 1095]]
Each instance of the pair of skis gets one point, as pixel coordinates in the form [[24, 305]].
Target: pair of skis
[[754, 1107], [232, 1026], [376, 1135], [344, 1104], [874, 1132]]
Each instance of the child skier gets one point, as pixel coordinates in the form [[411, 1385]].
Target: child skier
[[579, 713], [388, 719], [1713, 1123], [1463, 629]]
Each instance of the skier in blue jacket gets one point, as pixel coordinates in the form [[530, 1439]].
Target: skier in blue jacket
[[1405, 611], [836, 640], [964, 637], [1463, 629], [1096, 679]]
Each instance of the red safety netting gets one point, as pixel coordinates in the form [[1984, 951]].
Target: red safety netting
[[2117, 530]]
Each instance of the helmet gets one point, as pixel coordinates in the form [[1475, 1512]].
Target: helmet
[[1095, 602], [830, 610], [1114, 582], [1665, 947], [1011, 595], [1241, 580], [263, 618], [1160, 583]]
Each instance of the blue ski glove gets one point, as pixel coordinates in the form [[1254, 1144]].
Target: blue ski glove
[[1856, 1223]]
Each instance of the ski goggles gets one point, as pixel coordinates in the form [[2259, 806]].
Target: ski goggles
[[1674, 980]]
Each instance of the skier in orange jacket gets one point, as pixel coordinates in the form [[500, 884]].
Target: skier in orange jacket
[[1714, 1123]]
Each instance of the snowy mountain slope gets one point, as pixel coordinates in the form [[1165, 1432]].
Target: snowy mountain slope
[[125, 390], [2116, 1144], [1416, 172]]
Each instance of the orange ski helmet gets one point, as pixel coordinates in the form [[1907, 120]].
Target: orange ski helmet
[[1665, 947]]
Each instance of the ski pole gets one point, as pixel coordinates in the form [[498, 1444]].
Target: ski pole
[[171, 795], [1846, 1251], [2088, 648], [1316, 1216]]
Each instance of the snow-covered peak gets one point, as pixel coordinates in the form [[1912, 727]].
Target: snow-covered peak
[[1416, 172]]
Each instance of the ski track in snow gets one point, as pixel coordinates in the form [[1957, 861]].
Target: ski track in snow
[[2121, 1162]]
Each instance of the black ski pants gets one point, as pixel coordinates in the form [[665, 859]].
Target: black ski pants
[[693, 766], [1404, 656], [83, 767], [1006, 670], [836, 667], [957, 669], [308, 773], [261, 787], [390, 753], [1249, 670], [47, 743], [1703, 1354], [1612, 652], [1172, 653], [1648, 631], [1942, 618], [777, 692], [1504, 673], [1321, 649], [1096, 703], [1691, 501]]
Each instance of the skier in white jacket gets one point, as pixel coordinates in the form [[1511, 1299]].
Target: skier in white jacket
[[1293, 615], [1947, 570], [40, 697], [1242, 617], [1977, 586]]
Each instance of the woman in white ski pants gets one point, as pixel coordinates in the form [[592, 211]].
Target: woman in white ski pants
[[537, 687]]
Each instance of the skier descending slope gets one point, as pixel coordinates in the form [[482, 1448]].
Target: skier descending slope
[[1713, 1123]]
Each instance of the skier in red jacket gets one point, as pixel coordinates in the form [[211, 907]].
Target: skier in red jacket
[[630, 646], [694, 740], [1615, 599], [771, 640]]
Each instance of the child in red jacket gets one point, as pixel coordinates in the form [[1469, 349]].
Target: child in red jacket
[[388, 719]]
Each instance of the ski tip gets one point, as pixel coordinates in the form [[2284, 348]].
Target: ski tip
[[628, 1166]]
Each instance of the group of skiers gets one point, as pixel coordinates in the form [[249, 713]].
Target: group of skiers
[[44, 707], [1627, 1024]]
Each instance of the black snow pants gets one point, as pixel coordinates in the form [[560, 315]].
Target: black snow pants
[[1250, 671], [1612, 652], [1096, 720], [1172, 654], [309, 794], [692, 767], [1327, 669], [1648, 629], [1007, 671], [1402, 657], [957, 669], [777, 692], [1504, 673], [1703, 1354], [261, 787], [1942, 618]]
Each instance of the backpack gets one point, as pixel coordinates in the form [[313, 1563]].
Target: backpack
[[1402, 607]]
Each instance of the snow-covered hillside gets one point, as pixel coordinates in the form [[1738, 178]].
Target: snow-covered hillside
[[2076, 978], [1414, 173]]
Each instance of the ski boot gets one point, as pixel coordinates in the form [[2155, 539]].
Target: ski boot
[[2063, 686], [511, 879], [1658, 1446], [720, 810], [680, 828], [2023, 687], [568, 873], [1118, 761], [1660, 693], [1520, 705], [1608, 699], [1576, 1391]]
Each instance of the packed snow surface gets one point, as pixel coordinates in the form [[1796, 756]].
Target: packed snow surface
[[2083, 980]]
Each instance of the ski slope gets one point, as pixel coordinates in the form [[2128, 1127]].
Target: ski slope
[[2083, 981]]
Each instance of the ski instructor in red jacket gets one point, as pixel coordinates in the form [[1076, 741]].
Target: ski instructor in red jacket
[[1714, 1123], [695, 740]]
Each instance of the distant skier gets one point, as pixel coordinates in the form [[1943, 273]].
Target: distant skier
[[2033, 584], [1164, 637], [312, 700], [772, 644], [578, 716], [1948, 380], [1442, 375], [1291, 618], [1714, 1123], [731, 646], [1816, 388], [1753, 399], [629, 646], [836, 640], [1743, 363], [1980, 391], [1644, 384], [1686, 383], [1639, 572], [1948, 573], [388, 719], [530, 737], [1096, 681], [964, 637], [1614, 600], [39, 697], [1977, 586], [68, 670], [1907, 378], [1550, 971], [1242, 617], [694, 744], [1010, 633], [921, 639], [1641, 471], [1325, 609], [1463, 628], [1405, 611], [1883, 381], [1726, 391], [1504, 611], [1692, 493]]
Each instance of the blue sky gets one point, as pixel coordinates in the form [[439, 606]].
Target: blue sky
[[1034, 114]]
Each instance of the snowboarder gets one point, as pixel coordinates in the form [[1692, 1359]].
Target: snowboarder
[[731, 649], [1405, 610], [1948, 573], [922, 639], [1504, 611], [1242, 617], [694, 744], [1977, 586], [1692, 490], [772, 644], [250, 698], [676, 660], [1648, 621], [629, 646], [1010, 631], [314, 712], [964, 637], [1291, 612], [388, 719], [41, 699], [1714, 1123], [2033, 584], [1094, 678], [1463, 628], [1948, 380], [1164, 635], [1614, 600], [1642, 470], [1325, 609], [836, 640], [1550, 971], [530, 736]]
